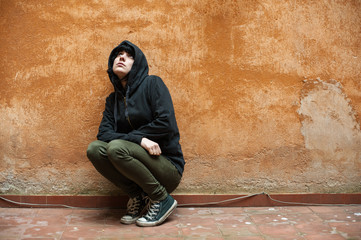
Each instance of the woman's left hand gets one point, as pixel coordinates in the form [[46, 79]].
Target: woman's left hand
[[152, 147]]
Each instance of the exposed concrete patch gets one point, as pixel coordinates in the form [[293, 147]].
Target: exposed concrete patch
[[332, 134], [329, 122]]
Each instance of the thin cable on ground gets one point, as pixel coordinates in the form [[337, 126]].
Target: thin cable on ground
[[185, 204], [220, 202], [308, 204], [45, 204]]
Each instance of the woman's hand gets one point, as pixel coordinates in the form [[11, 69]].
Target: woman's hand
[[152, 147]]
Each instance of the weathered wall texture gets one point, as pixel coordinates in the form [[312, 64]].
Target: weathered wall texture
[[267, 93]]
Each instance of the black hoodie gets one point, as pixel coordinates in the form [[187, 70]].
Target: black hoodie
[[144, 109]]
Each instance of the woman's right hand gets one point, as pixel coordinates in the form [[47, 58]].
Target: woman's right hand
[[152, 147]]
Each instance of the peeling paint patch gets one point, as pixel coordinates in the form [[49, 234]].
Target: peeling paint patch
[[329, 122]]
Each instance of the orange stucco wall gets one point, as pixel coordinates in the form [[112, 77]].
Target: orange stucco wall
[[267, 93]]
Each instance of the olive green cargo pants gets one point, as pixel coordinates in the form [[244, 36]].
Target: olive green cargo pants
[[133, 169]]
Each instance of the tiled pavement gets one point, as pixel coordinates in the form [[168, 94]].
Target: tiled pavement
[[308, 222]]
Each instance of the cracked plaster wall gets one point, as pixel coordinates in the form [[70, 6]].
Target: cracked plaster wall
[[267, 93]]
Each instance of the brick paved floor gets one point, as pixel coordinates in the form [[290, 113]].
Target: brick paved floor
[[310, 223]]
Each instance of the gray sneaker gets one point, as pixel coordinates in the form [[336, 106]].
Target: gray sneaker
[[135, 209], [158, 211]]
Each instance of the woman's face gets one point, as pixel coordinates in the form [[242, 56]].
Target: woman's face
[[123, 64]]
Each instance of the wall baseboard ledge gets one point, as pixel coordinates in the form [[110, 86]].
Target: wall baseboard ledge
[[254, 200]]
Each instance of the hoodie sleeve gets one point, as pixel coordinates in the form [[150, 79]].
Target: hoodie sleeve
[[163, 125], [106, 131]]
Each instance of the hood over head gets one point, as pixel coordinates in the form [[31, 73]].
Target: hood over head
[[138, 72]]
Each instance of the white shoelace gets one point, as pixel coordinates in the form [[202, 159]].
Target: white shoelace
[[152, 210]]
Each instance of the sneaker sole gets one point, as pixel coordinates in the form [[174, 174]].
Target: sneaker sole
[[161, 220], [128, 222]]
